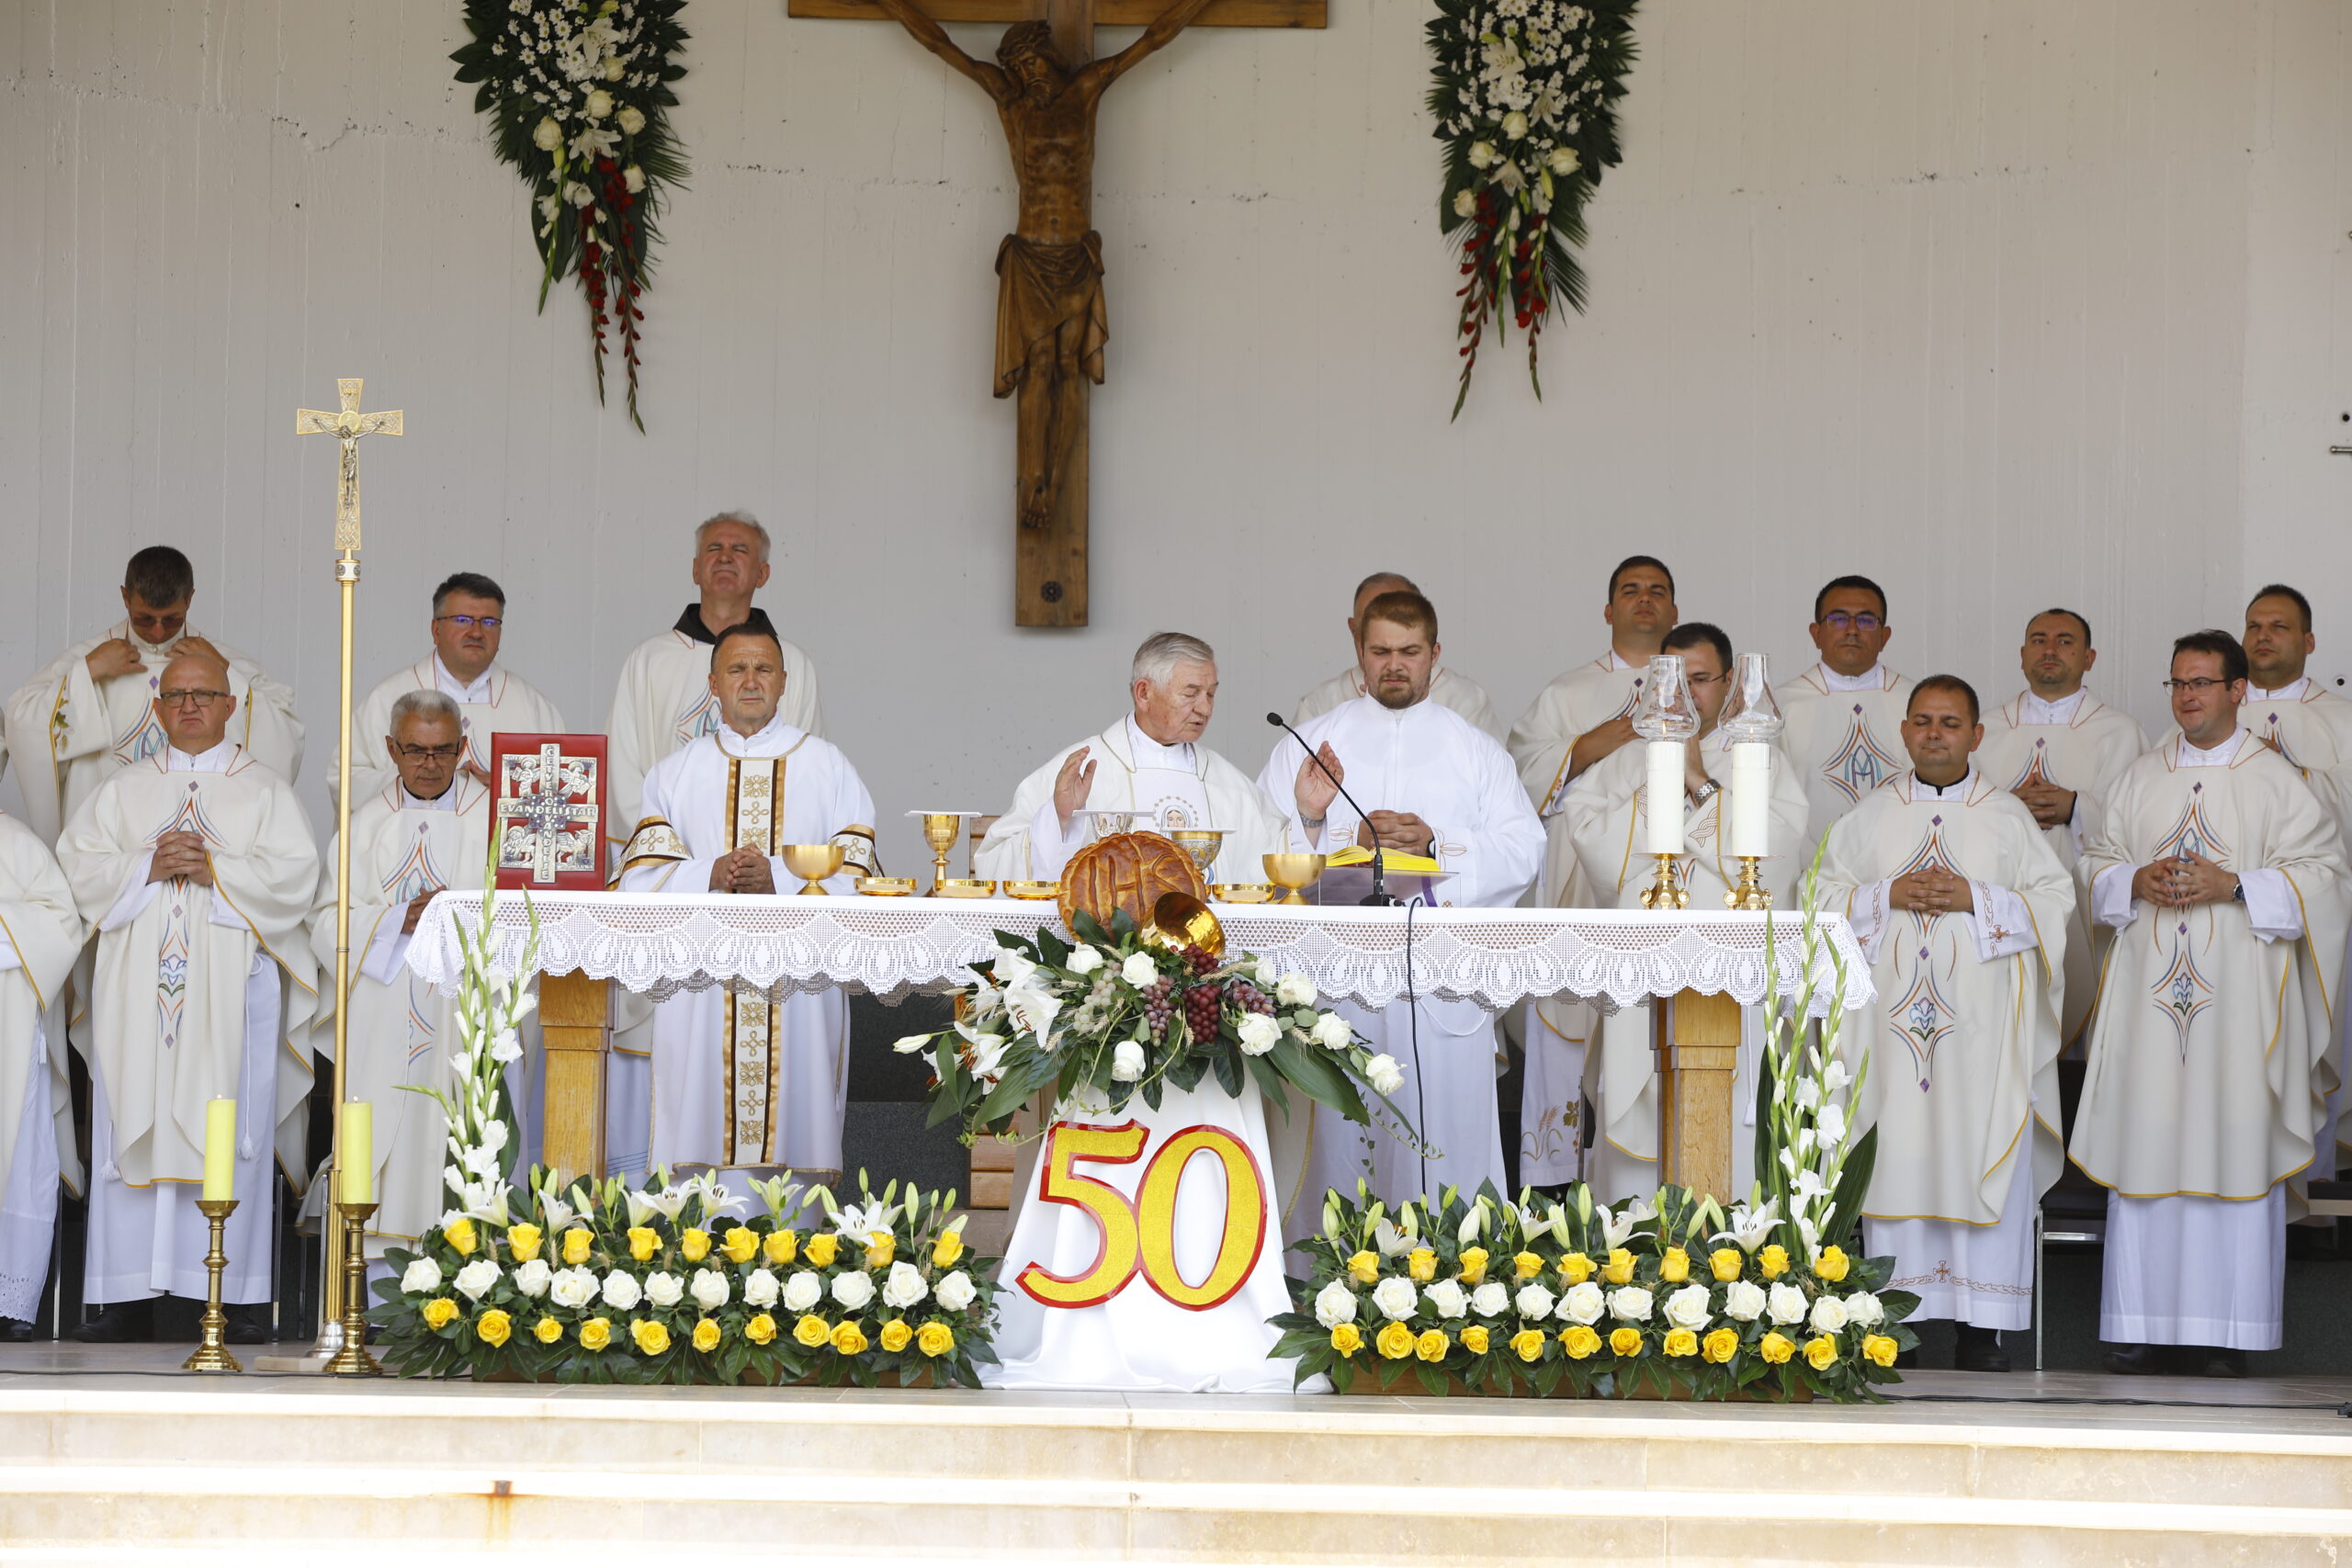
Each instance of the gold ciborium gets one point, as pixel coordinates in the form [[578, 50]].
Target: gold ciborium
[[813, 862], [940, 830], [1292, 873], [1201, 843], [1178, 920]]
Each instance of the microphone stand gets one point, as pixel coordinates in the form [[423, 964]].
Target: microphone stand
[[1379, 897]]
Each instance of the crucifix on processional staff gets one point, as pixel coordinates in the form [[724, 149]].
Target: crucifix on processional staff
[[1051, 322]]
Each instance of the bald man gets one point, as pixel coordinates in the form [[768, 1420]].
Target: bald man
[[1447, 689]]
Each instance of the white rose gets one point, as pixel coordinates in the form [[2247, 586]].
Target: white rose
[[1294, 991], [854, 1289], [1139, 970], [633, 176], [710, 1290], [1490, 1300], [1482, 155], [1686, 1308], [1266, 974], [802, 1292], [1382, 1073], [1630, 1303], [546, 136], [1450, 1299], [905, 1287], [1743, 1301], [1532, 1301], [631, 121], [762, 1288], [534, 1278], [1465, 204], [955, 1291], [1335, 1304], [1334, 1032], [622, 1290], [423, 1275], [1828, 1315], [1564, 162], [1864, 1310], [1395, 1297], [1257, 1033], [1786, 1303], [1584, 1303], [663, 1289], [1514, 125], [1085, 959], [476, 1278], [613, 68], [574, 1288], [1126, 1061], [599, 105]]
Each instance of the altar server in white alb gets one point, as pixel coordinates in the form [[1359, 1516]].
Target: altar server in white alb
[[41, 934], [2223, 877], [196, 866], [92, 710], [1577, 723], [1961, 908], [2059, 750], [1609, 809], [469, 625], [739, 1082], [1447, 687], [1150, 763], [1435, 785], [1844, 715], [426, 830]]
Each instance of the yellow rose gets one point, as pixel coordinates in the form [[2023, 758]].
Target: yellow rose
[[1421, 1264], [1528, 1344], [1432, 1345], [1773, 1262], [1675, 1266], [897, 1335], [1722, 1346], [1725, 1262], [1347, 1339], [1880, 1349], [595, 1334], [493, 1328], [1474, 1339], [1619, 1270], [1527, 1264], [1680, 1342], [459, 1233], [641, 1243], [1626, 1341], [781, 1247], [438, 1312], [1395, 1342], [812, 1331], [761, 1330], [577, 1243], [1776, 1347], [934, 1340], [1579, 1342], [1831, 1265], [947, 1249], [1474, 1266], [1575, 1268], [848, 1338], [1364, 1268], [546, 1331], [1820, 1350], [740, 1245], [523, 1241], [706, 1335], [881, 1249], [651, 1337], [694, 1244], [821, 1248]]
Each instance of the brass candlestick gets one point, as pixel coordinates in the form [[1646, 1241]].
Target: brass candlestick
[[1667, 891], [353, 1360], [212, 1353], [1749, 892]]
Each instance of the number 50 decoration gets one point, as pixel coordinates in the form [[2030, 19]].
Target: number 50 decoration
[[1141, 1234]]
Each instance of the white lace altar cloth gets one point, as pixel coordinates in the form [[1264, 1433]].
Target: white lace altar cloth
[[659, 944]]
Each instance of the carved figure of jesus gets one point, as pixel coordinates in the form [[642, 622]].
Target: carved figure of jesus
[[1051, 322]]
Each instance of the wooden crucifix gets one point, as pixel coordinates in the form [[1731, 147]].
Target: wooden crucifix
[[1051, 322]]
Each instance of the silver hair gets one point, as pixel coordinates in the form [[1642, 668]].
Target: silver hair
[[1157, 660], [420, 704], [702, 528]]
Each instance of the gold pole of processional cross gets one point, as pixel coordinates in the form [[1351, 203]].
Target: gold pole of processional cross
[[348, 425]]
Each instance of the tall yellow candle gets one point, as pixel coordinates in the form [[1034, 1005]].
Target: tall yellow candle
[[220, 1150], [358, 1143]]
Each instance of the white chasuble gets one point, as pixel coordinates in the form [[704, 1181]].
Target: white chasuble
[[1845, 734], [1428, 761], [1962, 1039], [1607, 807], [1559, 1028], [41, 935], [2208, 1058], [2078, 743], [1167, 788], [199, 992], [498, 699], [1447, 689], [738, 1081]]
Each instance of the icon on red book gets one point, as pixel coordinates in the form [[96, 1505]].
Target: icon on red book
[[551, 810]]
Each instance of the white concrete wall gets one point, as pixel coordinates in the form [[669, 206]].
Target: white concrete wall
[[2006, 303]]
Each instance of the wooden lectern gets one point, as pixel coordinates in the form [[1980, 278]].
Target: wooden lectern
[[576, 1030], [1696, 1036]]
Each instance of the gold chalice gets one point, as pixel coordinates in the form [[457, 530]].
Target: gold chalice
[[1294, 871], [1201, 843], [940, 830], [815, 862]]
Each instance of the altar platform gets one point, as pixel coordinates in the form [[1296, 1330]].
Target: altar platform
[[111, 1455]]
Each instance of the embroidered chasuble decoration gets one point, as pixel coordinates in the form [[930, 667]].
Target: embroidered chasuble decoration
[[1859, 765], [550, 811], [172, 948]]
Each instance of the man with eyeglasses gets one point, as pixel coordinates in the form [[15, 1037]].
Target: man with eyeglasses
[[1574, 725], [1844, 715], [196, 866], [2059, 750], [469, 620], [2224, 880]]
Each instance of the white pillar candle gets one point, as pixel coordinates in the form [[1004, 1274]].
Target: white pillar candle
[[1664, 805], [1751, 797]]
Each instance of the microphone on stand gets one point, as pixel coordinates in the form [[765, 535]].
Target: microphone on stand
[[1379, 893]]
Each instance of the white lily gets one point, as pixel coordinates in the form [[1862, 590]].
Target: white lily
[[779, 1192], [858, 1222], [1390, 1239], [717, 1197], [1749, 1228], [1616, 1225], [1474, 1223]]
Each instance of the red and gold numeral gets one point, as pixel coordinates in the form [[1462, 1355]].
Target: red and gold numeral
[[1142, 1234]]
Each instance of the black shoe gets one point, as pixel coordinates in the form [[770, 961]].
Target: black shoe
[[119, 1323], [15, 1331], [2221, 1362], [1979, 1350], [2138, 1360], [248, 1324]]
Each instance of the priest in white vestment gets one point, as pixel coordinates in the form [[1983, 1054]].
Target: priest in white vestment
[[1447, 689], [1609, 809], [1151, 763], [740, 1083], [1844, 715], [468, 624], [41, 934], [196, 866], [2059, 750], [2209, 1061], [1434, 784], [1574, 724], [1961, 908]]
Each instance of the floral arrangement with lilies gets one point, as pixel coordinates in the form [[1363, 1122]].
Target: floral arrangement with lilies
[[1123, 1012], [1524, 93], [578, 94]]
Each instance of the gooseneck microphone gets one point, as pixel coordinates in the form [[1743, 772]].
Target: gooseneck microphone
[[1379, 893]]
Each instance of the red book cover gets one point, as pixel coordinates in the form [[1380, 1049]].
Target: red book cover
[[551, 810]]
